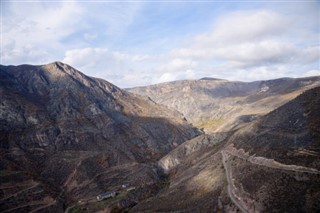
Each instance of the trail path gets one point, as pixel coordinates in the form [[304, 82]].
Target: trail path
[[232, 196], [262, 161]]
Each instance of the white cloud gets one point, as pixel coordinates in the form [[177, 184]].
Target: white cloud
[[243, 27], [86, 58], [260, 73], [266, 52], [167, 76], [119, 68], [34, 37], [98, 62], [174, 76], [42, 24], [127, 57], [26, 53], [178, 64], [253, 42], [54, 27], [253, 53], [313, 73], [101, 40], [126, 70], [251, 37]]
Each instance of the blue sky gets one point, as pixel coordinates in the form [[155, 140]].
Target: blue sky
[[134, 43]]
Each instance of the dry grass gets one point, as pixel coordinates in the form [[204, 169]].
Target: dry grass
[[210, 125]]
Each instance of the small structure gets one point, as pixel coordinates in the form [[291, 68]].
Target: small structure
[[124, 186], [106, 195]]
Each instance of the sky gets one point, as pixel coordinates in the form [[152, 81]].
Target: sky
[[137, 43]]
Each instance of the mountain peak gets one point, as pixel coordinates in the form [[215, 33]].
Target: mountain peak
[[57, 67], [72, 129], [210, 79]]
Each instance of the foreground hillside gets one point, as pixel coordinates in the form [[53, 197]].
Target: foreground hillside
[[271, 164], [66, 137], [220, 105]]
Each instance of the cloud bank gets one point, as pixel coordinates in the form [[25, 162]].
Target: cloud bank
[[138, 43]]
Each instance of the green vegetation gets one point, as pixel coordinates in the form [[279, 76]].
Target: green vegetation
[[210, 124]]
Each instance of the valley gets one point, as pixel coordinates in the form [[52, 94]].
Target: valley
[[205, 145]]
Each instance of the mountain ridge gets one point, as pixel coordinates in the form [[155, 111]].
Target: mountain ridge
[[262, 166], [66, 137], [222, 102], [62, 131]]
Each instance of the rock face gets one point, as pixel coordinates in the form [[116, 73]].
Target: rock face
[[271, 164], [65, 136], [218, 105], [190, 148]]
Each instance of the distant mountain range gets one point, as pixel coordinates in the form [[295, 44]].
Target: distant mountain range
[[65, 138], [215, 104]]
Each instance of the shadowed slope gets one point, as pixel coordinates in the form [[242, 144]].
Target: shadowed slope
[[76, 135]]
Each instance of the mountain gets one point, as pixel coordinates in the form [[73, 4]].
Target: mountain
[[220, 105], [66, 137], [271, 164]]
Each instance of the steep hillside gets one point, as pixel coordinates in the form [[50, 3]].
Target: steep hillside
[[292, 132], [66, 137], [271, 164], [220, 105]]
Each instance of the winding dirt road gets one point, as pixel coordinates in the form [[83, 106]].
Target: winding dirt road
[[271, 163], [262, 161], [230, 183]]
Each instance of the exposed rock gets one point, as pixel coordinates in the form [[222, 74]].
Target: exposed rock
[[75, 134], [66, 137], [272, 165], [218, 105], [190, 148]]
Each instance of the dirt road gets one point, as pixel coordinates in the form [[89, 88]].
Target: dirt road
[[230, 184]]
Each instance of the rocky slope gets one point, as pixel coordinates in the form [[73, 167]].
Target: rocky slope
[[220, 105], [66, 137], [271, 164]]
